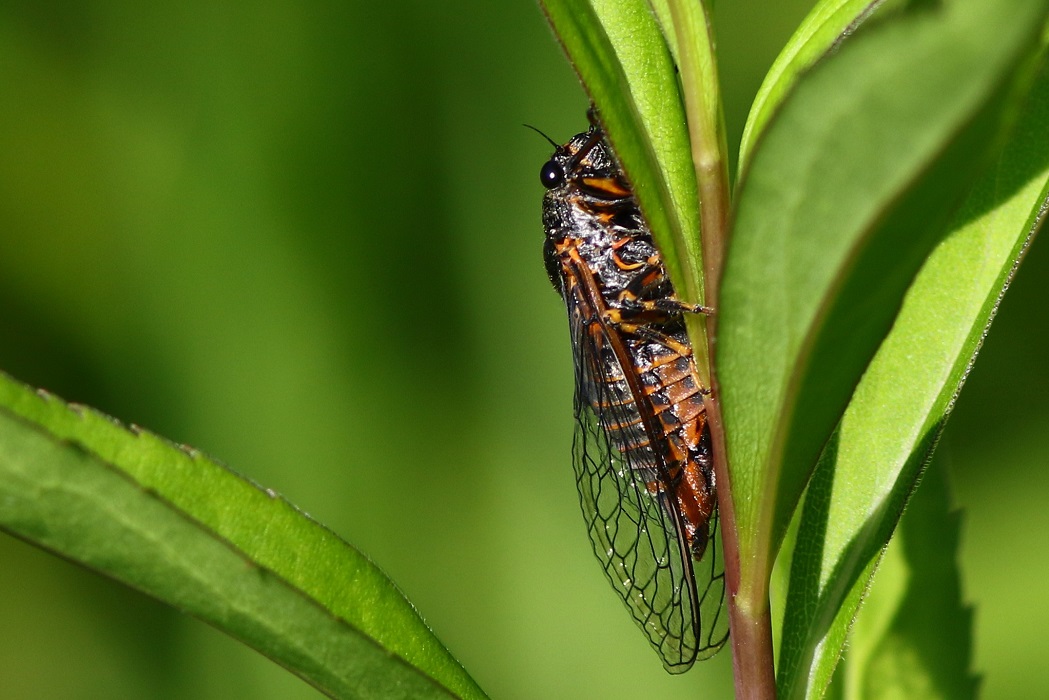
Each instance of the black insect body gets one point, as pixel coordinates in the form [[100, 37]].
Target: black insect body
[[642, 450]]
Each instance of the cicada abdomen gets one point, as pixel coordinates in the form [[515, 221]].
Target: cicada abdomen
[[641, 451]]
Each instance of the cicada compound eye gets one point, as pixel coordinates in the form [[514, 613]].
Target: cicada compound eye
[[552, 175]]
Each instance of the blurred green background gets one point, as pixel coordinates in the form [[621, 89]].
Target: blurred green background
[[304, 237]]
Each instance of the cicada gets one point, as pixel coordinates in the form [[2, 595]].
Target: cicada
[[642, 448]]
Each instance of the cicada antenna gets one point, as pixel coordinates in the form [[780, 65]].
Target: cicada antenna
[[543, 134]]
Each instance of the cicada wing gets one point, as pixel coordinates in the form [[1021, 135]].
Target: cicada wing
[[710, 589], [630, 517]]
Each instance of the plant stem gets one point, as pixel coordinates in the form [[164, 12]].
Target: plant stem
[[706, 126], [749, 612], [752, 664]]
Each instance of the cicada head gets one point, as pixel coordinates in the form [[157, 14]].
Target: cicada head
[[587, 194], [584, 165]]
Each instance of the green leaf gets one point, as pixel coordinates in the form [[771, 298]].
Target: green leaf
[[815, 37], [913, 636], [619, 52], [176, 525], [847, 194], [661, 8], [900, 406]]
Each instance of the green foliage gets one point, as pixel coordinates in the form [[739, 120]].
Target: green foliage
[[913, 635], [886, 435], [620, 54], [854, 299], [821, 30], [178, 526], [854, 165], [840, 205]]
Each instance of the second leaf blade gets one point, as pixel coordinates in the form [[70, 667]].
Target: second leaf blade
[[844, 198]]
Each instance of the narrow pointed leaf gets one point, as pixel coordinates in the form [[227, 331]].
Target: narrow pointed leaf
[[847, 194], [815, 37], [177, 526], [905, 397]]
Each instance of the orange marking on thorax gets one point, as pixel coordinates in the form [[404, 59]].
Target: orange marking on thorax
[[606, 185]]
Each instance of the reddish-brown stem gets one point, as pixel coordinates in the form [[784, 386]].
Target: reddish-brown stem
[[749, 614], [752, 664], [751, 626]]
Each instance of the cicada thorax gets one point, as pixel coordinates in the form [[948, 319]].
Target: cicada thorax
[[601, 257]]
